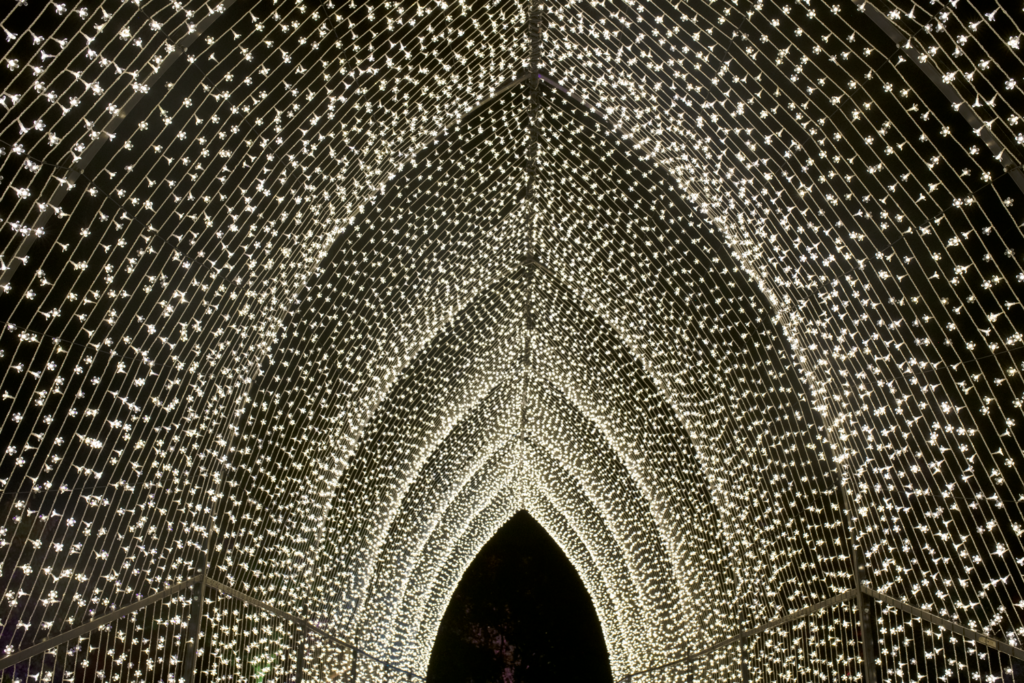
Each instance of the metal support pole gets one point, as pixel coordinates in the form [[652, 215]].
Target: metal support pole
[[868, 636], [536, 24], [194, 622], [868, 627], [744, 667], [352, 676], [300, 659]]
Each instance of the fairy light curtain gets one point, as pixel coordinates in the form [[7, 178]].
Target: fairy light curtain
[[308, 298]]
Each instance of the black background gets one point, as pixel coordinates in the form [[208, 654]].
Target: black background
[[520, 613]]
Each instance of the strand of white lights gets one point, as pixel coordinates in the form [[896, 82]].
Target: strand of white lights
[[497, 253], [576, 542], [483, 524], [454, 256], [479, 443], [576, 502], [828, 646], [648, 549], [495, 365], [600, 292], [269, 642]]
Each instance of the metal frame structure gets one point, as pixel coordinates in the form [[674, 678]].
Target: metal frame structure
[[861, 595], [199, 582], [865, 597], [959, 104]]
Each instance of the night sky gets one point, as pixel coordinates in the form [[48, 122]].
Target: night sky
[[520, 613]]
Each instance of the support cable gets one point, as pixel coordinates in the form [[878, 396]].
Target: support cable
[[82, 629]]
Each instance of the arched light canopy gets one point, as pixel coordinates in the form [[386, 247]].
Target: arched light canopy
[[302, 300]]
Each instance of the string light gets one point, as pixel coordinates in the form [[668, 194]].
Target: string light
[[308, 298]]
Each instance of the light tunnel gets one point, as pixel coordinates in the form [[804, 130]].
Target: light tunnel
[[302, 300]]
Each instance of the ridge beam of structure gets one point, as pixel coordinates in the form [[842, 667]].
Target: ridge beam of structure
[[535, 29], [483, 104], [533, 260]]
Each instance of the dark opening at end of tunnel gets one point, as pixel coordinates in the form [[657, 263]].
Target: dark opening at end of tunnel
[[520, 613]]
